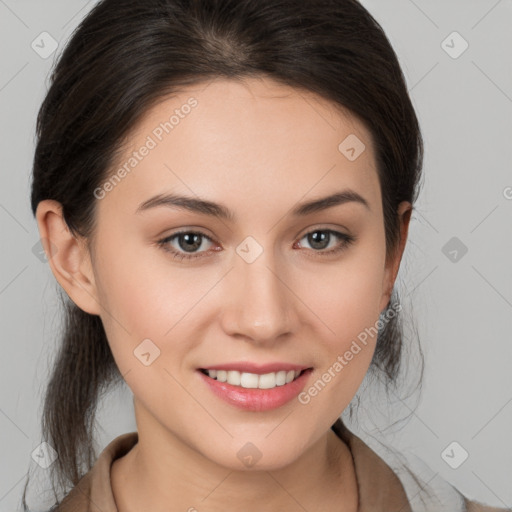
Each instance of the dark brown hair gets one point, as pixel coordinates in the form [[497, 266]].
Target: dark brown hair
[[127, 55]]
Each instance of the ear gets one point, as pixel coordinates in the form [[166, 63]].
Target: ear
[[393, 265], [68, 256]]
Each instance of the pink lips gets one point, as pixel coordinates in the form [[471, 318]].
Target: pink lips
[[257, 399]]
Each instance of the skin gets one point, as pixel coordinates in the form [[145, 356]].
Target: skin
[[259, 148]]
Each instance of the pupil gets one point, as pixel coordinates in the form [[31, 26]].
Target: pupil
[[313, 239], [194, 237]]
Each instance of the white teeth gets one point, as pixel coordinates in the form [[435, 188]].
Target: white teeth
[[247, 380], [253, 380], [280, 378], [234, 378]]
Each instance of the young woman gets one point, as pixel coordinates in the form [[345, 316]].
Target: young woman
[[224, 190]]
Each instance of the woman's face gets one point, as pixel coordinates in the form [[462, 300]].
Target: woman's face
[[271, 284]]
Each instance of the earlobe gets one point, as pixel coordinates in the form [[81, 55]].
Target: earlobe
[[68, 257]]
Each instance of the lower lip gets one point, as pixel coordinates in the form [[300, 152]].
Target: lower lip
[[256, 399]]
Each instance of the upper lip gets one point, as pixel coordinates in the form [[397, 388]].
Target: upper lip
[[259, 369]]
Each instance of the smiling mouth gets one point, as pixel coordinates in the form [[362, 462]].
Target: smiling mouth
[[252, 380]]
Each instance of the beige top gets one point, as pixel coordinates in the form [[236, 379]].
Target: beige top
[[380, 489]]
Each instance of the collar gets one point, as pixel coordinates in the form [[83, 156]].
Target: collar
[[380, 490]]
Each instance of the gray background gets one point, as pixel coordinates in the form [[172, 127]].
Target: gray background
[[463, 307]]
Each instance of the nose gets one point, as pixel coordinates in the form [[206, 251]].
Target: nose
[[259, 304]]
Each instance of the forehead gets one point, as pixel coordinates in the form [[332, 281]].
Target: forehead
[[258, 137]]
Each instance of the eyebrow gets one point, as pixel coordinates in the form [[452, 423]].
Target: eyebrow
[[217, 210]]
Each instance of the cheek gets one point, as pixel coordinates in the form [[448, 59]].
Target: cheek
[[131, 295], [347, 305], [134, 286], [347, 296], [145, 297]]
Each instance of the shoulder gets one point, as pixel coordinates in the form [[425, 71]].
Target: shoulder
[[475, 506], [94, 492], [77, 500], [409, 479]]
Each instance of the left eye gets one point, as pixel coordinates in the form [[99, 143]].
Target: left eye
[[316, 240], [192, 240], [186, 240]]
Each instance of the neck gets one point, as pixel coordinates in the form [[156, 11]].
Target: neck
[[162, 469]]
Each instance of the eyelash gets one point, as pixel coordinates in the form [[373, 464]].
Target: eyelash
[[347, 240]]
